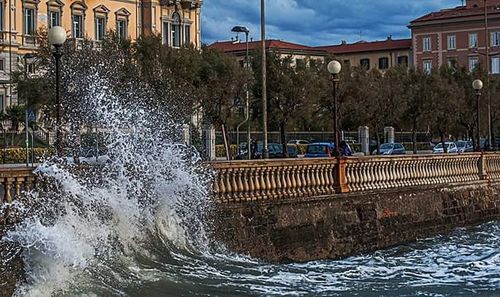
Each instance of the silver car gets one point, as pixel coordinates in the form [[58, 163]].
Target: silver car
[[464, 146], [391, 149], [451, 147]]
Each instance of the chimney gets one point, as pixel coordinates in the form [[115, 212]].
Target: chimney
[[389, 37], [480, 3]]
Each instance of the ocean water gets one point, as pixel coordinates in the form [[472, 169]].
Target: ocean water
[[139, 226]]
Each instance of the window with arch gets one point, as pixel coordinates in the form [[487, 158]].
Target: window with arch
[[122, 17], [78, 19], [54, 13], [100, 22], [29, 17], [176, 30]]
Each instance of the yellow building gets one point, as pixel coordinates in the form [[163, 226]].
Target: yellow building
[[177, 21]]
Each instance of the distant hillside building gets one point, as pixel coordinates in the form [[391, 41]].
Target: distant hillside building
[[298, 52], [460, 36], [380, 55]]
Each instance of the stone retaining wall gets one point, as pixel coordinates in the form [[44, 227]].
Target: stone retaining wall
[[340, 225]]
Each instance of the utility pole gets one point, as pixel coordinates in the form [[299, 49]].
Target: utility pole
[[491, 142], [265, 150]]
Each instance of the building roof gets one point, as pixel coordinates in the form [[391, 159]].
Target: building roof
[[364, 46], [453, 13], [235, 47]]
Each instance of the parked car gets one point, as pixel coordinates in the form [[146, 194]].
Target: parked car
[[391, 149], [90, 156], [319, 150], [464, 146], [298, 141], [451, 147], [275, 151]]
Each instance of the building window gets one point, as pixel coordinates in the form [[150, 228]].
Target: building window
[[365, 64], [176, 30], [473, 40], [2, 102], [30, 69], [452, 62], [452, 42], [427, 47], [495, 38], [403, 61], [187, 35], [29, 21], [383, 63], [54, 18], [473, 62], [121, 29], [77, 26], [427, 66], [166, 34], [100, 28], [2, 15], [2, 65], [495, 65]]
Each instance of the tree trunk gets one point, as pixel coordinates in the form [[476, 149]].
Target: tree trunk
[[445, 149], [283, 139], [226, 143], [414, 137], [378, 141]]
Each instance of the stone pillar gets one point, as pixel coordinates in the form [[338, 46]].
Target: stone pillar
[[209, 142], [389, 134], [186, 134], [364, 139]]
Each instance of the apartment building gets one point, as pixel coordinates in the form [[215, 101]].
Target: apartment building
[[298, 52], [177, 21], [380, 55], [464, 36]]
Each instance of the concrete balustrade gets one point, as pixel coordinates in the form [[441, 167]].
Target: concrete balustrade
[[294, 178], [275, 179], [238, 181], [14, 180]]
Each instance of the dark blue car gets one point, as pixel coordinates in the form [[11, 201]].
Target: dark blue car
[[319, 150]]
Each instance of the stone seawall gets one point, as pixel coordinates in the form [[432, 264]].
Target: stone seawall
[[340, 225]]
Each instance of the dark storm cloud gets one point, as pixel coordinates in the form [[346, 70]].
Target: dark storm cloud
[[317, 22]]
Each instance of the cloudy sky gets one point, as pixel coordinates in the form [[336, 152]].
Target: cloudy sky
[[317, 22]]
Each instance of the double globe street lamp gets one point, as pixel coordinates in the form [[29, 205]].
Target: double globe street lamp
[[57, 37], [334, 67], [478, 85]]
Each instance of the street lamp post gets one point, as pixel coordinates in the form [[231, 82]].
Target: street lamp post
[[478, 85], [241, 29], [265, 149], [57, 37], [334, 67]]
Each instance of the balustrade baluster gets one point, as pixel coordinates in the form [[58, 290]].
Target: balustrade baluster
[[252, 193], [8, 189], [244, 183], [257, 183], [222, 185], [272, 178], [288, 181]]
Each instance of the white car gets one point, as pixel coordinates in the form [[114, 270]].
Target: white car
[[298, 141], [90, 157], [464, 146], [451, 147]]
